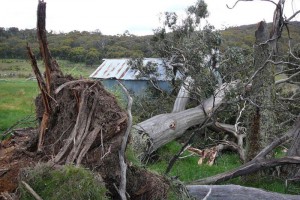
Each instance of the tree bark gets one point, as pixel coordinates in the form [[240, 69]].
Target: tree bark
[[234, 192], [157, 131], [183, 95], [261, 116]]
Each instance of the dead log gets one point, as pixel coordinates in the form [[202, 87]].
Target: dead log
[[248, 168], [157, 131], [234, 192]]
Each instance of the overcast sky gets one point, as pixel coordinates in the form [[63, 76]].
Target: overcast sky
[[139, 17]]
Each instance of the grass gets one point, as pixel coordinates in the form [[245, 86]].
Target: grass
[[20, 68], [16, 102], [187, 169], [67, 182], [17, 94]]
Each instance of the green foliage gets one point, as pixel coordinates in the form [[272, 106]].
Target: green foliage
[[151, 103], [67, 182]]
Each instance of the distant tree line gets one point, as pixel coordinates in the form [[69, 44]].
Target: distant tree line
[[75, 46], [92, 47]]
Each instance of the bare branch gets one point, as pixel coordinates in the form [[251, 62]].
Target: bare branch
[[258, 70], [123, 166], [31, 191], [287, 79], [247, 0], [294, 15]]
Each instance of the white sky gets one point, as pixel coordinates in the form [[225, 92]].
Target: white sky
[[140, 17]]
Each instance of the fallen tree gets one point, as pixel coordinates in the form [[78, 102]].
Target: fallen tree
[[81, 123], [234, 192], [157, 131]]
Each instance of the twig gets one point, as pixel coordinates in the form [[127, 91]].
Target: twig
[[123, 165], [247, 0], [31, 191], [207, 195]]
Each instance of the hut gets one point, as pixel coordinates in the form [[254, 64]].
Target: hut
[[112, 70]]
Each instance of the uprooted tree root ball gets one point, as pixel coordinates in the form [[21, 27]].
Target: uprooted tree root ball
[[81, 124], [85, 128]]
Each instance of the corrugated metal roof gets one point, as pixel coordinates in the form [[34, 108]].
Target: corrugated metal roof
[[119, 69]]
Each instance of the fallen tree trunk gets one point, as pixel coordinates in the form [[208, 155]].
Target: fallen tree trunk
[[248, 168], [157, 131], [234, 192]]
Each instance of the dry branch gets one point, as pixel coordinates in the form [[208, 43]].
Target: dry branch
[[123, 166], [248, 168], [45, 98], [31, 191]]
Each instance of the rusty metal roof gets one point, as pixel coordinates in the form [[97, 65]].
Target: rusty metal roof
[[120, 69]]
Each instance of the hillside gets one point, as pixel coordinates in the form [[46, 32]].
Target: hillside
[[91, 47], [243, 36]]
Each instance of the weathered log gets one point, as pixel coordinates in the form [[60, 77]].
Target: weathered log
[[157, 131], [234, 192]]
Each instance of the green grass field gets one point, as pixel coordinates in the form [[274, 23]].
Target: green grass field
[[17, 92], [19, 68], [16, 102]]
